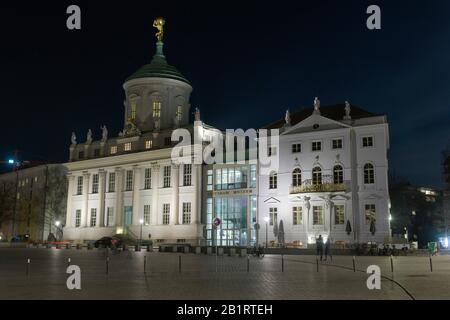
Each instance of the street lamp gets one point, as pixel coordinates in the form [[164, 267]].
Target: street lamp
[[141, 222], [266, 219]]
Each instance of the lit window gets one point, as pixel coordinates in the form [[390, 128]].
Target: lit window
[[317, 215], [296, 148], [273, 216], [133, 110], [297, 215], [367, 142], [338, 175], [317, 146], [129, 181], [156, 109], [210, 181], [186, 213], [95, 183], [252, 176], [109, 216], [187, 176], [370, 213], [179, 113], [148, 178], [112, 182], [369, 174], [113, 150], [148, 144], [166, 213], [147, 214], [297, 178], [127, 146], [166, 177], [77, 218], [336, 144], [80, 185], [273, 181], [317, 176], [339, 214], [93, 217]]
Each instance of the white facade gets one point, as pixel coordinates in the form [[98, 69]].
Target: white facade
[[326, 206]]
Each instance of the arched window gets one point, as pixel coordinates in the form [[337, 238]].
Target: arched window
[[273, 180], [369, 174], [338, 175], [317, 176], [297, 178]]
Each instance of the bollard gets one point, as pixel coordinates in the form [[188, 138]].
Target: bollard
[[179, 263], [354, 264], [145, 264], [282, 263], [149, 248], [107, 265], [317, 264], [431, 264], [68, 261], [78, 246], [67, 245], [248, 263], [392, 265], [137, 248], [28, 266], [124, 247]]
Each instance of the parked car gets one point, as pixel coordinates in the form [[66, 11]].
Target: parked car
[[108, 242]]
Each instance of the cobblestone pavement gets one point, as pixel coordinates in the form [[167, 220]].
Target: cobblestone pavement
[[199, 279]]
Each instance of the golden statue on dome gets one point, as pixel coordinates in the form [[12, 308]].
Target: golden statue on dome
[[158, 23]]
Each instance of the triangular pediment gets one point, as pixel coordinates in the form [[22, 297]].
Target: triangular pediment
[[315, 122], [272, 200]]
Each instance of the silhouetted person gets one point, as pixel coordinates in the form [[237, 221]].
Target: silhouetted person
[[327, 248], [319, 245]]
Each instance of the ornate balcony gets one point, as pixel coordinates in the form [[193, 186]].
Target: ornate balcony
[[327, 185]]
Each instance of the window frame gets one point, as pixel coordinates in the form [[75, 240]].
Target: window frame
[[314, 143], [297, 215]]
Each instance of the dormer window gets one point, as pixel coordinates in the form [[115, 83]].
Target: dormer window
[[127, 146], [156, 109], [133, 110], [148, 144], [113, 150], [179, 113]]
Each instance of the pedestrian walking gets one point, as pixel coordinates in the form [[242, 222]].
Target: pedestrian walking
[[319, 246]]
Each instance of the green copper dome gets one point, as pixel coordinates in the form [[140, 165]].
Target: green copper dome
[[158, 68]]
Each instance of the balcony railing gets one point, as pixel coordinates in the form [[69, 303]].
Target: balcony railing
[[326, 185]]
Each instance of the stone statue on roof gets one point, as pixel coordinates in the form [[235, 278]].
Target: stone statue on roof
[[89, 137], [73, 138], [316, 106], [104, 133], [197, 114], [287, 118], [347, 111]]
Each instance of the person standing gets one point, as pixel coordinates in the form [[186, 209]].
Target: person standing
[[327, 248], [319, 246]]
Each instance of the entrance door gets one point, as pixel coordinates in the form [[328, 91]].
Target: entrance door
[[127, 217]]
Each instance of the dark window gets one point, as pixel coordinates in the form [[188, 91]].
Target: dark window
[[81, 155], [97, 153]]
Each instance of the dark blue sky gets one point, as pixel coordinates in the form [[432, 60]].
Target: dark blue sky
[[248, 62]]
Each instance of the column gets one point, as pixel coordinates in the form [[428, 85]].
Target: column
[[175, 186], [198, 194], [119, 197], [101, 190], [136, 194], [85, 215], [69, 213], [155, 187]]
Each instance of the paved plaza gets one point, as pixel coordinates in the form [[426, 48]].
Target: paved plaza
[[198, 279]]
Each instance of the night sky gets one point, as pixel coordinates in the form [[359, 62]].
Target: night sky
[[248, 62]]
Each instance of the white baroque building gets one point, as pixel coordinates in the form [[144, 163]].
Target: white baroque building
[[118, 184], [332, 178]]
